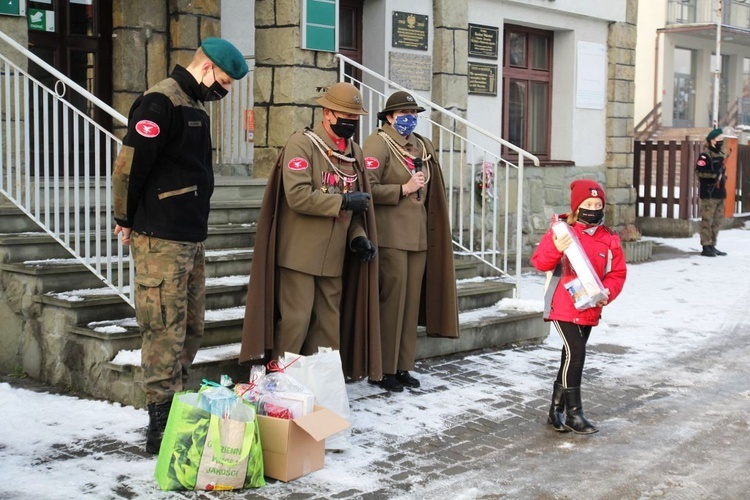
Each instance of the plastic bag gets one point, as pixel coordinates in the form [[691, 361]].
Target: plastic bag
[[201, 451], [323, 375]]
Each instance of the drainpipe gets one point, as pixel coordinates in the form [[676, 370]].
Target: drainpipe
[[717, 69], [656, 69]]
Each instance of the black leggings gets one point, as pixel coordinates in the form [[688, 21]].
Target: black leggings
[[573, 352]]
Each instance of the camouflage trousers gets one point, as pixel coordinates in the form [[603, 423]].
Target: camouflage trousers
[[170, 293], [712, 214]]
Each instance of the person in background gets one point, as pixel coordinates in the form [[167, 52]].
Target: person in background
[[603, 249], [416, 250], [306, 291], [713, 191], [163, 181]]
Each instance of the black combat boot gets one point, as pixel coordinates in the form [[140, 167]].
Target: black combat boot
[[407, 380], [717, 251], [389, 382], [157, 422], [556, 417], [574, 419], [708, 251]]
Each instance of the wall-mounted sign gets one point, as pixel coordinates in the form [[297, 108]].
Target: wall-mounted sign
[[13, 7], [413, 71], [591, 75], [483, 41], [41, 20], [409, 30], [482, 79], [319, 25]]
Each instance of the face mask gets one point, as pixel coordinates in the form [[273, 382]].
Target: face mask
[[405, 124], [213, 93], [590, 216], [344, 127], [719, 145]]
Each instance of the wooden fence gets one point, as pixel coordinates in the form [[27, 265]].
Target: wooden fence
[[665, 182]]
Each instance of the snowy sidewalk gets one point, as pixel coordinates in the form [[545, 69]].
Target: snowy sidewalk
[[477, 427]]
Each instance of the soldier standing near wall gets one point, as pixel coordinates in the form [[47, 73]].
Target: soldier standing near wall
[[163, 181], [314, 219], [713, 191], [416, 251]]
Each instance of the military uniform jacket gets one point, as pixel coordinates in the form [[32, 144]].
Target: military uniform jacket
[[414, 225], [711, 175], [315, 232], [360, 317], [163, 177]]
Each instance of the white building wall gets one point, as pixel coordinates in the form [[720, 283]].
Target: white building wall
[[577, 134], [377, 35], [652, 15]]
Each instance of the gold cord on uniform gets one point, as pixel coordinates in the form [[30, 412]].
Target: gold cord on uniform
[[401, 153], [329, 179]]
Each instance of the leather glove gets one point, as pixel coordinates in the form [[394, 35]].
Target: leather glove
[[364, 248], [356, 201]]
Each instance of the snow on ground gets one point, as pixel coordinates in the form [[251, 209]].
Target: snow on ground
[[660, 314]]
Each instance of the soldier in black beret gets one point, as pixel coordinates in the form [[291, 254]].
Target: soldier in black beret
[[162, 182]]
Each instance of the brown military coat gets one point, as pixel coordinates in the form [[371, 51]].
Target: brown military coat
[[400, 225], [305, 242]]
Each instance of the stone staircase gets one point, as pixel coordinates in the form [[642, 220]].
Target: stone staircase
[[61, 326]]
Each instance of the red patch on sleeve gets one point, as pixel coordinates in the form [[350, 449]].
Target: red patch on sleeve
[[701, 163], [297, 164], [371, 163], [147, 129]]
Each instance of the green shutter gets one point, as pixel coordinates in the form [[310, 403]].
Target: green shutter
[[319, 25]]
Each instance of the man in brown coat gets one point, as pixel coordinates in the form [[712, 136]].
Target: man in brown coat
[[417, 278], [314, 216]]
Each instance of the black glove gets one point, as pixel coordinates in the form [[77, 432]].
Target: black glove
[[364, 248], [356, 201]]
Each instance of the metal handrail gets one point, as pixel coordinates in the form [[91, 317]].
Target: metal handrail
[[60, 76], [467, 153], [56, 164]]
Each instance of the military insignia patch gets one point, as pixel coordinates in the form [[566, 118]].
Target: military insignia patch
[[147, 129], [701, 162], [371, 163], [297, 164]]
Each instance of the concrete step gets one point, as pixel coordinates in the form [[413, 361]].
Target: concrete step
[[21, 247], [480, 329], [103, 307], [55, 275]]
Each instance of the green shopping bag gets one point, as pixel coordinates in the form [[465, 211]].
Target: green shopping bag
[[201, 451]]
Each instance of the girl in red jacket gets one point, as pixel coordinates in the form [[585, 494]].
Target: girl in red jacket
[[602, 247]]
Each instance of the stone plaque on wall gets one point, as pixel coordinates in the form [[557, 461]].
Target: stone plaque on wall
[[483, 41], [409, 31], [482, 79], [413, 71]]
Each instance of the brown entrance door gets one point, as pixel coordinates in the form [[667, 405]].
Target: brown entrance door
[[350, 36], [75, 37]]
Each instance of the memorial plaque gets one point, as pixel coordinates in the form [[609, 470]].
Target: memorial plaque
[[483, 41], [482, 79], [409, 30], [413, 71]]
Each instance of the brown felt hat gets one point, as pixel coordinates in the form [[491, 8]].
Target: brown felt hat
[[343, 97], [398, 101]]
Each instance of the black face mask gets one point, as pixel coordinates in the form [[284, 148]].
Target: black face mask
[[590, 216], [719, 145], [344, 127], [215, 92]]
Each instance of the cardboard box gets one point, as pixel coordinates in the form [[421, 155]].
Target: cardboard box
[[293, 448]]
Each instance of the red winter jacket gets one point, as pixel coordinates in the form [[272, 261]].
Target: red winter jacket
[[603, 249]]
